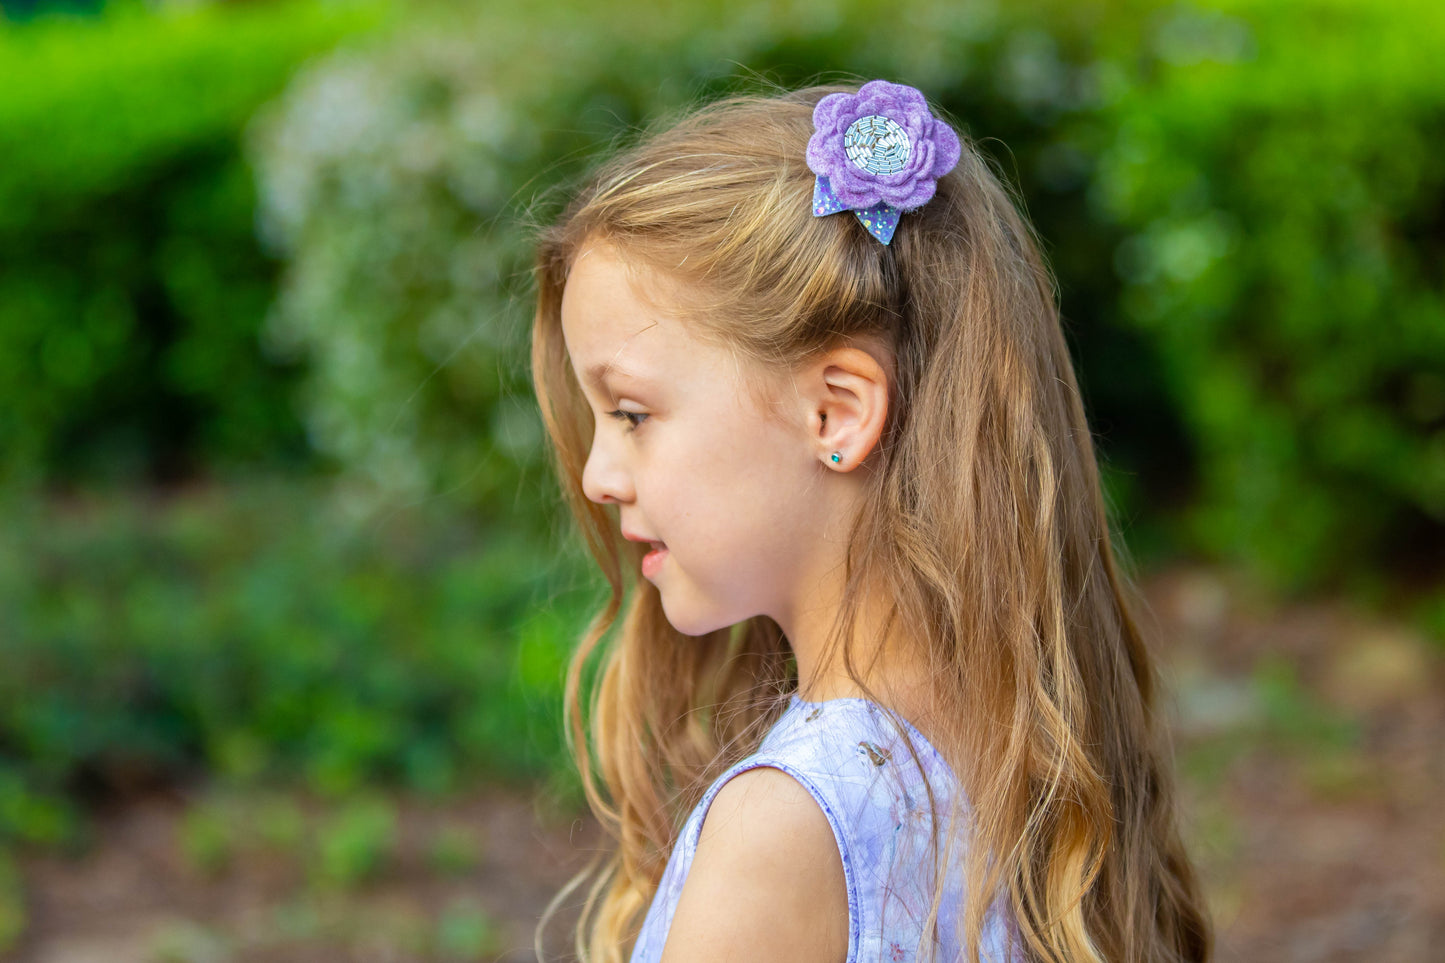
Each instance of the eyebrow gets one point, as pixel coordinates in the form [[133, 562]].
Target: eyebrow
[[595, 373]]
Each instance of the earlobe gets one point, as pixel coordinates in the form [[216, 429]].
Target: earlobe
[[848, 389]]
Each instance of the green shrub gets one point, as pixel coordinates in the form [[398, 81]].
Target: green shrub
[[454, 850], [146, 643], [466, 931], [1276, 169], [207, 838], [132, 284], [13, 917], [355, 844]]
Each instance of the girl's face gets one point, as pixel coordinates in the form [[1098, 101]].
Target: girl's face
[[692, 463]]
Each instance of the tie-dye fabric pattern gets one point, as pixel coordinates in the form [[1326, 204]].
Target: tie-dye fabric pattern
[[853, 761]]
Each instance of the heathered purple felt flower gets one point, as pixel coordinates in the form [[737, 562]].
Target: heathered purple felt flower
[[879, 148]]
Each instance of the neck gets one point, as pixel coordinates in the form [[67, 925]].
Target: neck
[[892, 665]]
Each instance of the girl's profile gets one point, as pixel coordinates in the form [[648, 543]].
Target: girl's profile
[[869, 684]]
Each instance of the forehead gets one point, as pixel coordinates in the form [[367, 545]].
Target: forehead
[[622, 325], [616, 319]]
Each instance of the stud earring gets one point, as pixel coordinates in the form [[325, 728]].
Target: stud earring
[[836, 457]]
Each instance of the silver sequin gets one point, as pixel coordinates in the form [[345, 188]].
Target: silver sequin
[[877, 145]]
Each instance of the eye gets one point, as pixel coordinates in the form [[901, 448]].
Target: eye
[[633, 418]]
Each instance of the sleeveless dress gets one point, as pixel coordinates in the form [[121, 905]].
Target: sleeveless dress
[[850, 757]]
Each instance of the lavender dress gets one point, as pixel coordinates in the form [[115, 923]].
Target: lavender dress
[[849, 756]]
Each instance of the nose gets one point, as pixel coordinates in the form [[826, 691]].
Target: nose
[[604, 478]]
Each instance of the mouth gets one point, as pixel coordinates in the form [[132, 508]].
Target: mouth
[[652, 561]]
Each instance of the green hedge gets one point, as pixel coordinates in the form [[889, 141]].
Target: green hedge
[[132, 284], [242, 634], [1277, 170]]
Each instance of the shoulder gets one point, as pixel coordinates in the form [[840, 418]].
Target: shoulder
[[766, 883]]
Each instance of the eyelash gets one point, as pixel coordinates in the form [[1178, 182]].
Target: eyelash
[[627, 416]]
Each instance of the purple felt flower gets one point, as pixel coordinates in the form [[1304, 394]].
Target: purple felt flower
[[880, 146]]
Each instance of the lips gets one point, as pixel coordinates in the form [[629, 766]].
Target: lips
[[652, 561]]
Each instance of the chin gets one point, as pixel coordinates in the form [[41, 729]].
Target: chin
[[693, 627], [691, 622]]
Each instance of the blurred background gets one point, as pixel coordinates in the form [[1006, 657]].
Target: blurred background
[[285, 593]]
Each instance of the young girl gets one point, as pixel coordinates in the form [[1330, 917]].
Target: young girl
[[876, 692]]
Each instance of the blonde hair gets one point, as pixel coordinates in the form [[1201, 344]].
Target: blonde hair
[[984, 522]]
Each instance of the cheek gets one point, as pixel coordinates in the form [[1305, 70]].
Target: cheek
[[758, 493], [692, 492]]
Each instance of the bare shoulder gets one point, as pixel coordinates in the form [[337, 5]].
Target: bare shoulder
[[766, 883]]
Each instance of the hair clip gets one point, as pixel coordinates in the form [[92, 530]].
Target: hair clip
[[878, 153]]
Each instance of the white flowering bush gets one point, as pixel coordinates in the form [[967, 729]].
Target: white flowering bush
[[384, 180]]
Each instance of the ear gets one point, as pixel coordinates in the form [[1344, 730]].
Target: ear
[[846, 391]]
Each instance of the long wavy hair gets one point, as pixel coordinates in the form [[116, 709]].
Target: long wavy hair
[[984, 522]]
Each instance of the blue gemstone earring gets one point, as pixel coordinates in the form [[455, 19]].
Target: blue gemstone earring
[[836, 457]]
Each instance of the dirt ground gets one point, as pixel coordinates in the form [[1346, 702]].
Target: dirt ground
[[1308, 742]]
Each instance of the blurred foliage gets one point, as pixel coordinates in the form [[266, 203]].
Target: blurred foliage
[[1277, 171], [248, 636], [131, 282], [454, 851], [19, 11], [206, 838], [1238, 197], [356, 844], [1274, 297], [12, 902], [328, 867], [467, 932]]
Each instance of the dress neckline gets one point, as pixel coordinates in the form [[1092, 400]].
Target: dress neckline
[[798, 702]]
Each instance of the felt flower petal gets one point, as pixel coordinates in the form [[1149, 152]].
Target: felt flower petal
[[879, 153]]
